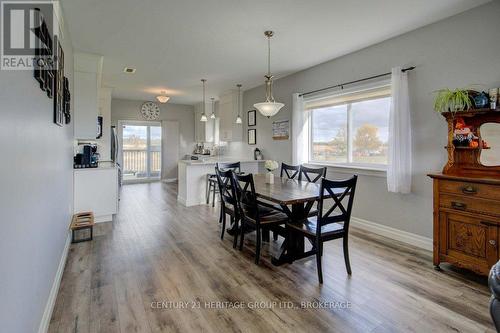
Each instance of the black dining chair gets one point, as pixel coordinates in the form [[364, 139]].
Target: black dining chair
[[254, 213], [236, 166], [290, 171], [311, 175], [228, 201], [334, 223]]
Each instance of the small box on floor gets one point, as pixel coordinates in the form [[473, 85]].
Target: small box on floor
[[82, 227]]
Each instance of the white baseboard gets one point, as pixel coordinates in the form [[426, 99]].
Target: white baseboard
[[181, 200], [169, 180], [49, 307], [393, 233]]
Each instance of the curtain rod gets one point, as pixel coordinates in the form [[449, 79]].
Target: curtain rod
[[356, 81]]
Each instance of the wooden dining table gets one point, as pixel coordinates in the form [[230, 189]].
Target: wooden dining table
[[296, 198]]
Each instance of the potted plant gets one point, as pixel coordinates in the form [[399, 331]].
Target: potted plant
[[270, 166], [448, 100]]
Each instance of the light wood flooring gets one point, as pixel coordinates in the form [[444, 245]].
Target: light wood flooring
[[156, 250]]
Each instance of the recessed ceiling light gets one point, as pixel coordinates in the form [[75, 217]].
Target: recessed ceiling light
[[129, 70]]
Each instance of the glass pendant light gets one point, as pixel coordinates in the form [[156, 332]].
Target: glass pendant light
[[270, 107], [212, 116], [238, 119], [163, 98], [203, 114]]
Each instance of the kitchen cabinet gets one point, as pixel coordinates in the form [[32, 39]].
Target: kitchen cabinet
[[87, 78], [96, 190], [204, 131], [228, 111]]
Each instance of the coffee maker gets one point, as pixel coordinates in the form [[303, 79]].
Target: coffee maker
[[86, 157]]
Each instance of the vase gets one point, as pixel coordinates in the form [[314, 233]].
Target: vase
[[270, 178]]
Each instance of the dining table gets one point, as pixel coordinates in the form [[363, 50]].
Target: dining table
[[295, 198]]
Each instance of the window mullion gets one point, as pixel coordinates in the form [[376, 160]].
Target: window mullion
[[349, 133]]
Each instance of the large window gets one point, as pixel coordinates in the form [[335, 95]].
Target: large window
[[350, 129]]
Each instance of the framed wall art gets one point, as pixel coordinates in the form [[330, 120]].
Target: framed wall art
[[252, 136], [252, 118]]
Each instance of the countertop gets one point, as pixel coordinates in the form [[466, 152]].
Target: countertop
[[101, 166], [221, 159]]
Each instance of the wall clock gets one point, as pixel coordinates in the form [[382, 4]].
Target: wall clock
[[150, 111]]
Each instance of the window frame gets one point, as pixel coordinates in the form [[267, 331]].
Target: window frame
[[367, 168]]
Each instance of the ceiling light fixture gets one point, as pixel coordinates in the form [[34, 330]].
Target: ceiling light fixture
[[212, 116], [163, 98], [203, 114], [238, 119], [270, 107]]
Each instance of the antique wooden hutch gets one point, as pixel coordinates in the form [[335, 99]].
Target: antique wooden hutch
[[467, 200]]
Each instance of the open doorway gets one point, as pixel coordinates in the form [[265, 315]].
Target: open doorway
[[140, 150]]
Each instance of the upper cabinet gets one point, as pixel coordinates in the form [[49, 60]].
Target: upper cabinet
[[87, 81], [204, 131], [228, 111]]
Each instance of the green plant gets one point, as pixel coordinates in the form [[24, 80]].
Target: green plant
[[452, 100]]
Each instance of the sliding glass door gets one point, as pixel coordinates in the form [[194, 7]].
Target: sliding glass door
[[141, 151]]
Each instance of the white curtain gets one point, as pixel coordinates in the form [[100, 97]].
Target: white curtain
[[300, 131], [399, 169]]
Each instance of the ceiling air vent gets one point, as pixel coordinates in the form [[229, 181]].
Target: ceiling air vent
[[129, 70]]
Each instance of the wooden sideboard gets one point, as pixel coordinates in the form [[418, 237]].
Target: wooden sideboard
[[467, 202], [466, 221]]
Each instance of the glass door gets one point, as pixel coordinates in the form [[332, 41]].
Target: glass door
[[141, 151]]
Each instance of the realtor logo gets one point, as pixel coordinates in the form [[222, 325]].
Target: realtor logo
[[27, 33]]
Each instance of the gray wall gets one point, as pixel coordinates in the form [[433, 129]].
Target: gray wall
[[456, 52], [124, 109], [36, 196]]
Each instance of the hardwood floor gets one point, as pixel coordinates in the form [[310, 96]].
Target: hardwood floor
[[156, 250]]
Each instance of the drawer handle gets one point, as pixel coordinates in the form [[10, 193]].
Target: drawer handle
[[469, 190], [458, 205]]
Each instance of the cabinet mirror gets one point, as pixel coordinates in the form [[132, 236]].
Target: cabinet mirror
[[490, 132]]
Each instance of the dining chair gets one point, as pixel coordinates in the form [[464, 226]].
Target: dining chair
[[236, 166], [290, 171], [228, 203], [259, 215], [334, 223], [311, 175]]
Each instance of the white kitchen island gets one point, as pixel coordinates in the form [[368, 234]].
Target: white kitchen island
[[193, 177]]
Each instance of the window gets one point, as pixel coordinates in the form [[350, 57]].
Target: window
[[350, 129]]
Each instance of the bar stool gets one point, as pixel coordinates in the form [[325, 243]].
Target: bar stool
[[212, 188]]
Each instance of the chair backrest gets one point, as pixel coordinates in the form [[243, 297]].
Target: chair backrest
[[236, 166], [336, 190], [290, 171], [311, 175], [245, 193], [227, 188]]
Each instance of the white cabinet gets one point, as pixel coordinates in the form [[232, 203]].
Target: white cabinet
[[204, 131], [228, 111], [87, 78], [86, 105], [96, 190]]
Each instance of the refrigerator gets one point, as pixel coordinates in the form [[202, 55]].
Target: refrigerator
[[115, 149]]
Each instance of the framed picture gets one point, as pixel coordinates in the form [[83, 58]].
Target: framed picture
[[281, 130], [252, 136], [252, 118]]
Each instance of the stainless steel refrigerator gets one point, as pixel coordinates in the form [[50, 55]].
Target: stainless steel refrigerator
[[115, 149]]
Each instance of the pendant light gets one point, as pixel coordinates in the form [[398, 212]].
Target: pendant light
[[212, 116], [238, 119], [163, 98], [270, 107], [203, 114]]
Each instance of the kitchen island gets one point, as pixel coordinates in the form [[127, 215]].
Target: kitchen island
[[192, 177]]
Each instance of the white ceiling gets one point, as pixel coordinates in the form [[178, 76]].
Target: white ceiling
[[173, 44]]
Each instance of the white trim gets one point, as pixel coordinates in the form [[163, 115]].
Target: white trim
[[181, 200], [351, 169], [169, 180], [393, 233], [49, 307]]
